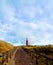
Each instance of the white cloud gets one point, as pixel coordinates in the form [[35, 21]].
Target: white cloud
[[30, 2], [47, 35], [44, 26], [45, 38], [8, 12], [18, 44], [31, 11], [43, 41], [33, 25], [38, 9], [24, 32], [32, 40], [21, 22], [49, 5], [3, 31], [21, 25], [6, 27], [2, 38]]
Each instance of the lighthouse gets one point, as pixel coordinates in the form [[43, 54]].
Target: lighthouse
[[26, 42]]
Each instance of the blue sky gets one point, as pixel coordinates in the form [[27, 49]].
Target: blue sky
[[21, 19]]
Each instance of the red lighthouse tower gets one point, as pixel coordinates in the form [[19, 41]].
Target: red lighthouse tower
[[26, 42]]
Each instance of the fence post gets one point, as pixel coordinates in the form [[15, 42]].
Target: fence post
[[2, 59], [7, 56], [36, 59], [10, 54], [46, 61]]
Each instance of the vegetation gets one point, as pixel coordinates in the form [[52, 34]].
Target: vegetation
[[40, 55], [4, 46]]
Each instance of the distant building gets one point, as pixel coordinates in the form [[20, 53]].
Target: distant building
[[26, 42]]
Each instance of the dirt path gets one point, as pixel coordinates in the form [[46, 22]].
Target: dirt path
[[11, 61], [20, 58]]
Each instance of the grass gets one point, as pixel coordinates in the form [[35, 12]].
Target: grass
[[46, 51], [31, 51], [4, 46]]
